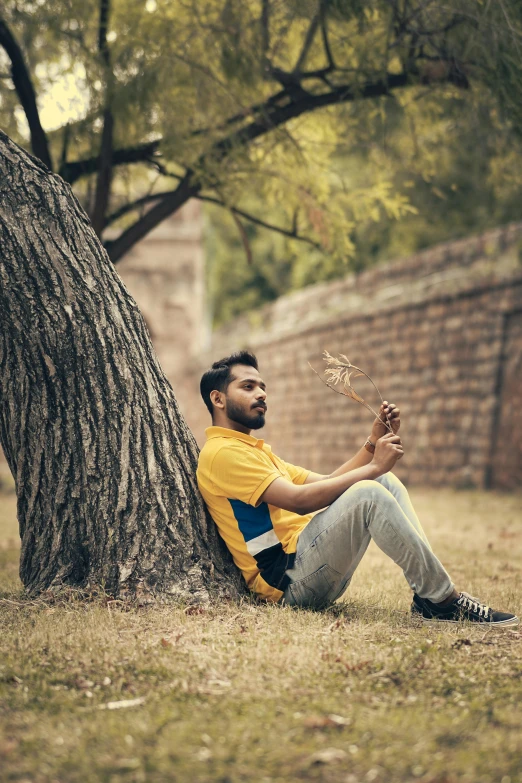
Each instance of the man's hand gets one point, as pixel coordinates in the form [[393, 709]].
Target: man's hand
[[388, 450], [390, 412]]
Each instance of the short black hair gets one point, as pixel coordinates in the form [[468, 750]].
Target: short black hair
[[219, 375]]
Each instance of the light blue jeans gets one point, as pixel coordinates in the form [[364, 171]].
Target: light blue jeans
[[333, 543]]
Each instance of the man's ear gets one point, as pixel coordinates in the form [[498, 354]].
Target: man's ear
[[217, 399]]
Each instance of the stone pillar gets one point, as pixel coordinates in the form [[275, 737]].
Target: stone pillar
[[165, 273]]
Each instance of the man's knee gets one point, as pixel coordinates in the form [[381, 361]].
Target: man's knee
[[363, 499], [391, 482], [368, 489]]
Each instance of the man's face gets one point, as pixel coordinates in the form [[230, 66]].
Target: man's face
[[245, 398]]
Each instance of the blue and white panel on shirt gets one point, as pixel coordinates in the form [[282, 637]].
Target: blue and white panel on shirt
[[255, 525]]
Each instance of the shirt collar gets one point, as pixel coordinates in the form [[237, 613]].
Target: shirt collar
[[225, 432]]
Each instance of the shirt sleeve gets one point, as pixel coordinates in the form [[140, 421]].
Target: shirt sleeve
[[242, 474], [298, 475]]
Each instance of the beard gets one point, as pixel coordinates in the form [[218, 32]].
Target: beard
[[252, 420]]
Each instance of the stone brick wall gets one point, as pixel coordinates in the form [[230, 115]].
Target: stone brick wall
[[441, 335]]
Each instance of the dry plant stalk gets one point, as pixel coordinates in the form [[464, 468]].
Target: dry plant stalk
[[340, 371]]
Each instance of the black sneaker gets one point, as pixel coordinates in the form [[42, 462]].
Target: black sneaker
[[465, 607]]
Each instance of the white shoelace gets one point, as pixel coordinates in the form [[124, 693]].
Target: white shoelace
[[467, 601]]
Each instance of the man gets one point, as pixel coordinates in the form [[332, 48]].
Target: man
[[264, 508]]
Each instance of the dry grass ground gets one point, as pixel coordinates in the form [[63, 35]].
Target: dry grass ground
[[263, 693]]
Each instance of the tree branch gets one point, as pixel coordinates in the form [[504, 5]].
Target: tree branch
[[324, 34], [273, 100], [104, 178], [309, 39], [26, 94], [291, 233], [236, 213], [163, 170], [132, 205], [269, 120], [141, 153], [103, 46], [65, 145], [307, 102], [265, 36], [452, 73], [244, 237], [163, 209]]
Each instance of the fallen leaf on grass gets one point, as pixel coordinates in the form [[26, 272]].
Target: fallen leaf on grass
[[326, 721], [220, 683], [327, 756], [171, 639], [195, 610], [204, 754], [83, 684], [16, 680], [336, 624], [352, 667], [121, 705], [458, 643], [7, 746]]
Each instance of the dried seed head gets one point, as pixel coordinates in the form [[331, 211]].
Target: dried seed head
[[340, 371]]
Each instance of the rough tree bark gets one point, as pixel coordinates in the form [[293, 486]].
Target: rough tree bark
[[103, 461]]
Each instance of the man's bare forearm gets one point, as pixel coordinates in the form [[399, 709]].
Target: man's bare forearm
[[363, 457], [322, 493]]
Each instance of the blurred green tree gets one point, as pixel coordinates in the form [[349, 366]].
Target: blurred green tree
[[223, 99], [455, 157]]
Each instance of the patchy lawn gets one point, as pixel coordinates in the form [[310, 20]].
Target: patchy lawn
[[360, 692]]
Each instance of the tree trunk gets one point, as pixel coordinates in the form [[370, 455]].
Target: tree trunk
[[103, 461]]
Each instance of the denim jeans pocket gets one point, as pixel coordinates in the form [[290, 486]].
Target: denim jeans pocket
[[319, 539], [313, 590]]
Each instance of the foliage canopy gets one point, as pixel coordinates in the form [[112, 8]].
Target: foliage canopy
[[366, 129]]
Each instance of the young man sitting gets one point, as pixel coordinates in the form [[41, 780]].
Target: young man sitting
[[264, 508]]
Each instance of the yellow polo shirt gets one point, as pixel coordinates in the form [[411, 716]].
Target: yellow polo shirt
[[234, 470]]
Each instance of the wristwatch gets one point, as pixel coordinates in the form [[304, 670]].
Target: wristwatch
[[369, 446]]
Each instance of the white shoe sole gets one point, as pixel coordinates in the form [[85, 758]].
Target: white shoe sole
[[513, 621]]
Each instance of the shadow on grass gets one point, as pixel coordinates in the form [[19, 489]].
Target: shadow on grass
[[12, 592], [365, 613]]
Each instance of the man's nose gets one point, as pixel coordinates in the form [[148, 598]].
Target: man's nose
[[261, 395]]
